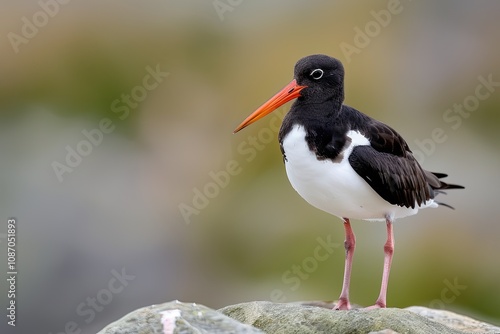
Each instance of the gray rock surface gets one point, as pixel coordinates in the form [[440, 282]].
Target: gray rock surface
[[307, 319], [454, 320], [176, 317], [300, 317]]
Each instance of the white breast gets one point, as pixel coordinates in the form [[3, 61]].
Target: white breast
[[335, 187]]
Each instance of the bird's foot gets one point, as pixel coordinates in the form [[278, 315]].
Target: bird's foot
[[343, 304], [377, 305]]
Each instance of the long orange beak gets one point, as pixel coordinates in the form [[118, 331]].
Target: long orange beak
[[289, 92]]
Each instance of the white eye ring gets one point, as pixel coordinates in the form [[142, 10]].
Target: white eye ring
[[317, 74]]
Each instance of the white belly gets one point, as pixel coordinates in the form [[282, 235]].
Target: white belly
[[335, 187]]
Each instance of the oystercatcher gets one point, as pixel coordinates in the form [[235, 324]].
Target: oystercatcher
[[346, 163]]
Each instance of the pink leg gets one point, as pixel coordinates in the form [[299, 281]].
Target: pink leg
[[388, 252], [349, 244]]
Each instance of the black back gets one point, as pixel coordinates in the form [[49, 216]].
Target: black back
[[387, 164]]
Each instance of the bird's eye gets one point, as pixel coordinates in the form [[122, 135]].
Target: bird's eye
[[317, 74]]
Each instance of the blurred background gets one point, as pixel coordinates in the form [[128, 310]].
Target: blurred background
[[118, 161]]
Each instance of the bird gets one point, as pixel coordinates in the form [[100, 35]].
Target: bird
[[347, 163]]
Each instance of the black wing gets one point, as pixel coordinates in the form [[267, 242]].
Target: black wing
[[383, 138], [398, 180], [390, 168]]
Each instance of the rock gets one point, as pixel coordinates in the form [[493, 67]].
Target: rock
[[317, 317], [176, 317], [300, 317], [454, 320]]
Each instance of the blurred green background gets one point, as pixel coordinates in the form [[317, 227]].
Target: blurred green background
[[121, 206]]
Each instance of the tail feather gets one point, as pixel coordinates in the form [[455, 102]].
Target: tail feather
[[450, 186], [446, 205], [435, 183], [436, 186], [440, 175]]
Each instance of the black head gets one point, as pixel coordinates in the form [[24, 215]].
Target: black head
[[318, 79], [323, 77]]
